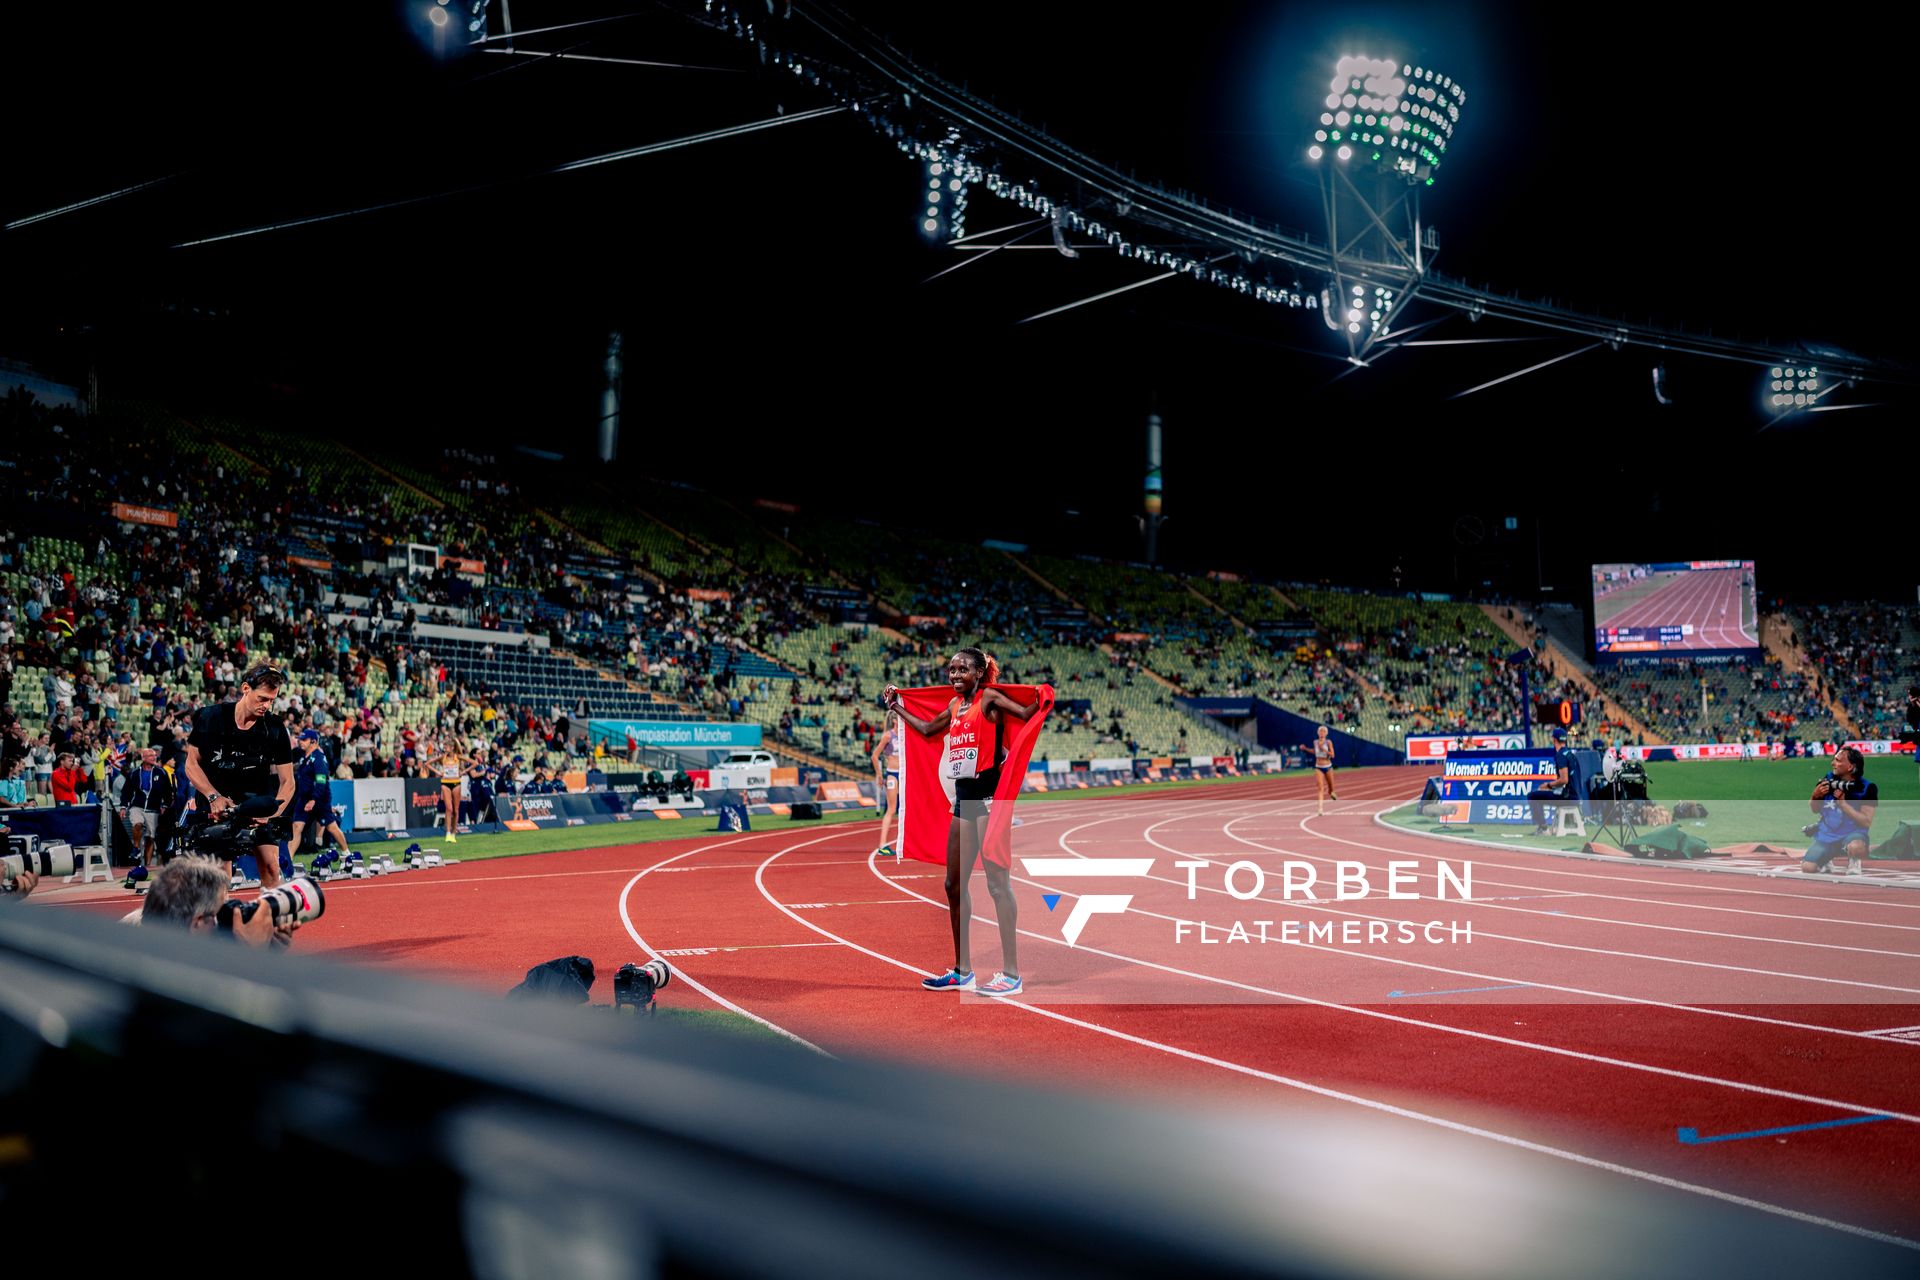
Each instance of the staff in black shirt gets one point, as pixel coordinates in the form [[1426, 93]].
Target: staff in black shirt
[[240, 750], [1560, 789]]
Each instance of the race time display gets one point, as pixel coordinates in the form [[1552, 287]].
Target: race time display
[[1690, 607]]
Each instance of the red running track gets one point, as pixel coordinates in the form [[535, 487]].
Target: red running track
[[1599, 1009], [1707, 598]]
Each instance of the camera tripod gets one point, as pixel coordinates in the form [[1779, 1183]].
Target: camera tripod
[[1616, 815]]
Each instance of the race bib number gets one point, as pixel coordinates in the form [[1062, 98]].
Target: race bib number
[[963, 762]]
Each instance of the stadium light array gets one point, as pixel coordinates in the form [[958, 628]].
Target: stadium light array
[[947, 175], [1398, 116], [1791, 387]]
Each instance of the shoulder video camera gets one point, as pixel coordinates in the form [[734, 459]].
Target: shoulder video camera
[[236, 834]]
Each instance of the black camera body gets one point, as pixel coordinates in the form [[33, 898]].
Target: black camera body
[[634, 985], [240, 832]]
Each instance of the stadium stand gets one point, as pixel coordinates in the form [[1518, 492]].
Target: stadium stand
[[667, 603], [1865, 656]]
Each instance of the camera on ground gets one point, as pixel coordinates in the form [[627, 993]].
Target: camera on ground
[[634, 985]]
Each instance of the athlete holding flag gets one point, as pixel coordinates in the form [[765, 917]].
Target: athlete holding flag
[[974, 726]]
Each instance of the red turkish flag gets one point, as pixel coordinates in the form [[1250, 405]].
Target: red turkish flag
[[926, 803]]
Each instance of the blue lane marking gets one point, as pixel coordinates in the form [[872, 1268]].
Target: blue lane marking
[[1692, 1138], [1456, 991], [1051, 899]]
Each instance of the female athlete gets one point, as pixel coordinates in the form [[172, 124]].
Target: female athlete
[[886, 779], [1323, 767], [973, 723]]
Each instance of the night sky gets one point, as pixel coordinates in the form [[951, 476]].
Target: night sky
[[1734, 178]]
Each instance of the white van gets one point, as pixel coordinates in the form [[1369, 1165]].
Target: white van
[[743, 769]]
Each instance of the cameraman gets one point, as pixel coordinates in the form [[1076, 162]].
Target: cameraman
[[189, 893], [1845, 802], [1560, 789], [240, 750]]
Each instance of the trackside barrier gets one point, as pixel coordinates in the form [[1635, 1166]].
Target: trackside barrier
[[522, 1140]]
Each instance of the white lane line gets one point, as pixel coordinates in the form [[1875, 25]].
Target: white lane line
[[1627, 924], [752, 946], [1637, 900], [1371, 1104], [1384, 1016], [689, 979], [1414, 964], [1700, 1011], [1598, 951]]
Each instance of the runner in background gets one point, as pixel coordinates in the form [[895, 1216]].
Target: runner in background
[[1323, 767], [886, 780]]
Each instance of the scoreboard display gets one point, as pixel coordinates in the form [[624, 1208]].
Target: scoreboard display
[[1690, 608], [1493, 786]]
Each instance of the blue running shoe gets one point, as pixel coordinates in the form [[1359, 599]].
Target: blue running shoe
[[1002, 985], [886, 851], [951, 980]]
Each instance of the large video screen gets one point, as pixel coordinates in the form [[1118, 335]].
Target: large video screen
[[1688, 608]]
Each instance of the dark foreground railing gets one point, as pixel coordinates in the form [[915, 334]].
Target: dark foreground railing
[[184, 1102]]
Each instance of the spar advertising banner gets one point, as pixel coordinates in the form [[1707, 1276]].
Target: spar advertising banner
[[1493, 786], [1757, 750], [1422, 747], [379, 804]]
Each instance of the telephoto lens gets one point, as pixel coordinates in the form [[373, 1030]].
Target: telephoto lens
[[28, 854], [299, 899]]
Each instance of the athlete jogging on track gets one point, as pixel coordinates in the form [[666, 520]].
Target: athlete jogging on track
[[1323, 767], [973, 723], [886, 780]]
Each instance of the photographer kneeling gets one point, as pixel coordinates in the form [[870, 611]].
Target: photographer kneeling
[[1845, 802], [191, 893], [240, 751]]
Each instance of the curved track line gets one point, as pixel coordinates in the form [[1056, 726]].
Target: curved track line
[[1371, 1104], [1738, 1086], [1621, 897], [680, 972], [1502, 937], [1569, 946], [1645, 1001], [1625, 924]]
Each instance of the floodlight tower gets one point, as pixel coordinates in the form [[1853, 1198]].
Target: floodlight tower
[[1382, 136]]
